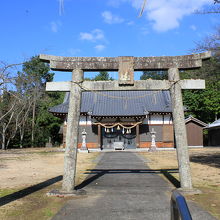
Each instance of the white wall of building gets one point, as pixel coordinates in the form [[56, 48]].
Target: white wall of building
[[152, 119], [158, 119], [85, 120]]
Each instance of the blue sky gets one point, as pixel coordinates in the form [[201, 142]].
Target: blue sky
[[101, 28]]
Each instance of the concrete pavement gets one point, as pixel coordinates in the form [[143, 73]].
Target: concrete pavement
[[123, 187]]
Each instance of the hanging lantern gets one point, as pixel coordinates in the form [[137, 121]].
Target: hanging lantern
[[112, 130], [107, 130], [127, 132], [118, 128]]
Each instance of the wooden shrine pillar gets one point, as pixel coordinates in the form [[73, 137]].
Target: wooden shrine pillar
[[99, 136], [180, 129], [138, 136], [70, 157]]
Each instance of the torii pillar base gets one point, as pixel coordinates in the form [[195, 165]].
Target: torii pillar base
[[61, 194], [192, 191]]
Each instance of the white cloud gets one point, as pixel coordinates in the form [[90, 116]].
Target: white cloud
[[94, 35], [55, 25], [193, 27], [130, 23], [100, 47], [111, 18], [166, 15]]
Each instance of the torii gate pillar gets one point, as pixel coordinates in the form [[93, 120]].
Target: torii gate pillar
[[180, 129], [70, 156]]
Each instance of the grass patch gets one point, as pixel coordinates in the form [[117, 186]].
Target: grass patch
[[34, 206], [209, 199], [38, 205], [5, 192], [205, 174]]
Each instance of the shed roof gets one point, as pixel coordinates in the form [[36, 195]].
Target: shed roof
[[214, 124], [120, 103], [192, 119]]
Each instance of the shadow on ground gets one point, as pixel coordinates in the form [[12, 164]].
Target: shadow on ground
[[212, 160], [24, 192], [94, 174]]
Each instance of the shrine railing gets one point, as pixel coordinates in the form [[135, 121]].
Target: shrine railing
[[179, 209]]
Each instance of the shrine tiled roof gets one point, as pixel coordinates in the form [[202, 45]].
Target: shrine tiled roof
[[120, 103]]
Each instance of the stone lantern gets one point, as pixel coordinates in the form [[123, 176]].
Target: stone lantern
[[153, 146], [84, 147]]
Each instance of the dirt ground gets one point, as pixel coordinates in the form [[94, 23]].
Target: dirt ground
[[205, 168], [22, 170], [27, 175]]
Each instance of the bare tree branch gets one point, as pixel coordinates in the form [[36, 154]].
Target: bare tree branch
[[211, 43], [214, 9], [8, 112]]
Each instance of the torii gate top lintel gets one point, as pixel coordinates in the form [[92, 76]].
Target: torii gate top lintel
[[61, 63], [125, 65]]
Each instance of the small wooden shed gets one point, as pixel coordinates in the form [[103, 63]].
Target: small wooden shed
[[194, 129], [214, 133]]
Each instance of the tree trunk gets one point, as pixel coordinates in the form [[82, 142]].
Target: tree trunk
[[33, 122], [21, 137], [3, 137]]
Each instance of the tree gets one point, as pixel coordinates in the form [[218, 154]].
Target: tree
[[24, 117], [7, 107], [158, 75], [212, 42], [204, 104], [213, 9], [46, 121], [103, 76], [9, 101], [35, 74]]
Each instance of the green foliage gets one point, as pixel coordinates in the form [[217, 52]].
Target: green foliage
[[158, 75], [30, 91], [102, 76], [48, 125], [204, 104], [38, 70]]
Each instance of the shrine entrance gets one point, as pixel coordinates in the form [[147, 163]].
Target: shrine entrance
[[125, 66], [110, 138]]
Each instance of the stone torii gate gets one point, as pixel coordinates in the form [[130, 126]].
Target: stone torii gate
[[125, 66]]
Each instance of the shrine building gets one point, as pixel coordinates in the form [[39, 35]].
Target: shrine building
[[126, 117]]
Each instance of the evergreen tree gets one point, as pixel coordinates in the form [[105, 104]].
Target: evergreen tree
[[40, 125], [158, 75], [204, 104]]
